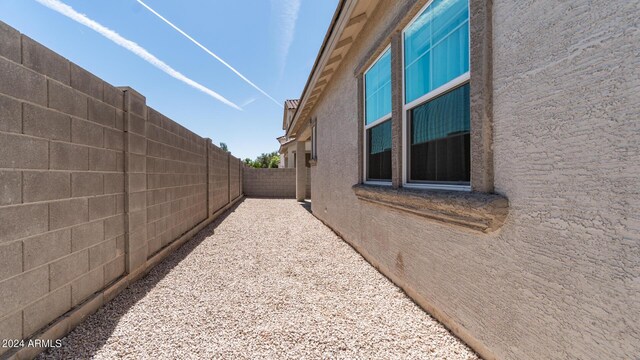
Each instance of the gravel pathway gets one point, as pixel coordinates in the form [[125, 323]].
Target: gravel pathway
[[266, 281]]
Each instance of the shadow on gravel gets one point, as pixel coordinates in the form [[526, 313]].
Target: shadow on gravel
[[98, 327], [306, 205]]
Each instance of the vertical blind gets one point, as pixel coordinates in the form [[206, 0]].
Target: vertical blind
[[378, 89], [440, 139], [443, 116], [379, 152], [380, 138], [436, 47]]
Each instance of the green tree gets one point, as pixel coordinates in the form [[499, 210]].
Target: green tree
[[224, 147], [270, 160], [275, 161]]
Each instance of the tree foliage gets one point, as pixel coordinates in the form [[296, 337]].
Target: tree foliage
[[270, 160], [224, 147]]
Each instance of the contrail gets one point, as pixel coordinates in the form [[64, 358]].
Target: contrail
[[284, 13], [69, 12], [209, 52], [248, 102]]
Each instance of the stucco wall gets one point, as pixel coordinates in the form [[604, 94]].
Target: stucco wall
[[560, 278], [308, 185], [291, 149]]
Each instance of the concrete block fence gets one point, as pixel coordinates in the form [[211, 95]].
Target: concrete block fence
[[95, 188], [274, 183]]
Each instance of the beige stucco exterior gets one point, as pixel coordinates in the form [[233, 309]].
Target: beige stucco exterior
[[290, 146], [287, 154], [561, 277]]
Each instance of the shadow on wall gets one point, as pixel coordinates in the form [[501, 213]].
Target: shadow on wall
[[109, 315]]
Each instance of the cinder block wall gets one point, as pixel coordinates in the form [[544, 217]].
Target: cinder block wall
[[93, 184], [176, 180], [218, 178], [235, 168], [279, 183], [61, 185]]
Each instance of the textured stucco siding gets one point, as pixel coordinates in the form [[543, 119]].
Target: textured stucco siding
[[308, 185], [276, 183], [560, 278], [290, 150]]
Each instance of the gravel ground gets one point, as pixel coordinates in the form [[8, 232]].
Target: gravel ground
[[266, 281]]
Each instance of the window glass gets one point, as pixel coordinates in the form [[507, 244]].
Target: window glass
[[436, 47], [314, 143], [378, 89], [379, 152], [440, 141]]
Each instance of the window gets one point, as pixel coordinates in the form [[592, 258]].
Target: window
[[436, 94], [314, 141], [377, 119], [379, 152], [440, 143]]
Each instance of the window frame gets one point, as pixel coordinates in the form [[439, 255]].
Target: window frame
[[451, 85], [314, 141], [380, 120]]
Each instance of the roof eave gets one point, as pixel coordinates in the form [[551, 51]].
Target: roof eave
[[342, 33], [332, 25]]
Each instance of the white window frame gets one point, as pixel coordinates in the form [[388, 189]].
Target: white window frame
[[452, 84], [378, 121]]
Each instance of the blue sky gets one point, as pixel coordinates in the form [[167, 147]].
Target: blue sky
[[273, 43]]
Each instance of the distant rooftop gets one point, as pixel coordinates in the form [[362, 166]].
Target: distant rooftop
[[291, 104]]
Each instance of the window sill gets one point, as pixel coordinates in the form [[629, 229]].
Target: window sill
[[313, 162], [477, 211]]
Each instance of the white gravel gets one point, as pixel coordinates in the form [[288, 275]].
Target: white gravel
[[267, 281]]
